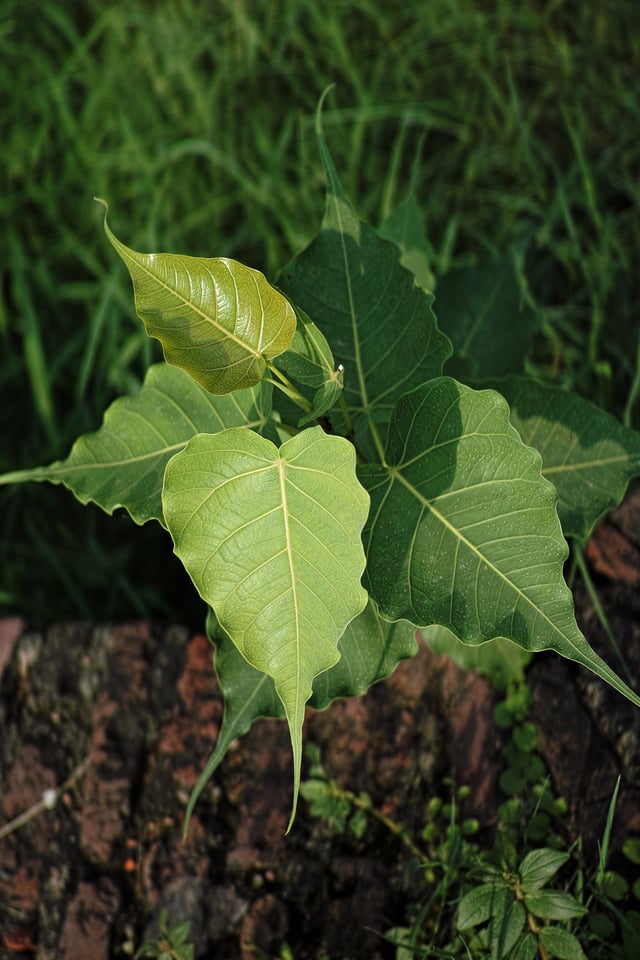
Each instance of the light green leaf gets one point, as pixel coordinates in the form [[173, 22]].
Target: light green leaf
[[405, 228], [539, 866], [309, 362], [122, 464], [380, 325], [586, 453], [271, 539], [217, 319], [370, 649], [463, 529], [481, 310], [561, 944]]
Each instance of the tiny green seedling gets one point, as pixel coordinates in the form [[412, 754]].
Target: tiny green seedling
[[171, 943], [336, 467]]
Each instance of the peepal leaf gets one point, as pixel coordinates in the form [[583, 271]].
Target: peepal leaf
[[272, 540], [481, 310], [463, 529], [379, 323], [588, 455], [405, 228], [369, 650], [497, 657], [216, 318], [122, 464]]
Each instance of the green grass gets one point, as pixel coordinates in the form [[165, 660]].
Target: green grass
[[516, 123]]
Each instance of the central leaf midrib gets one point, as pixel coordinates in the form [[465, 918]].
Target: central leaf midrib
[[367, 409], [395, 474], [188, 303], [108, 464], [292, 574]]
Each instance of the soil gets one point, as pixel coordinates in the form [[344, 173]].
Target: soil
[[105, 728]]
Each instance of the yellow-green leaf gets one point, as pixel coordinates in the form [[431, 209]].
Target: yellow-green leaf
[[216, 318], [272, 540]]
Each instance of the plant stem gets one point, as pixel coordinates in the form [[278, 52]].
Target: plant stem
[[634, 392], [393, 827], [48, 802], [346, 416], [283, 383], [378, 442]]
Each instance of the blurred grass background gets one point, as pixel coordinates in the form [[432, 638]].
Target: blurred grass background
[[520, 122]]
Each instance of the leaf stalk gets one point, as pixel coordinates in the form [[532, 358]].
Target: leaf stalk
[[284, 384]]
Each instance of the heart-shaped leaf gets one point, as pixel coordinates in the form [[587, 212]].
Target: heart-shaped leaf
[[122, 464], [216, 318], [463, 529], [272, 540]]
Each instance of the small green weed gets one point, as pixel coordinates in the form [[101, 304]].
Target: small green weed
[[171, 943], [523, 896]]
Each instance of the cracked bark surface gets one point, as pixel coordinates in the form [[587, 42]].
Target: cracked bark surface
[[120, 719]]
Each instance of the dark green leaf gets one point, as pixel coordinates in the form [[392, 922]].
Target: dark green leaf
[[370, 649], [587, 454], [561, 944], [380, 325], [631, 849], [481, 903], [525, 737], [505, 930], [614, 885], [539, 866], [525, 949], [554, 905], [405, 228], [481, 310], [463, 529]]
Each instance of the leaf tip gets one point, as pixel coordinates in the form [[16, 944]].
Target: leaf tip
[[105, 206], [294, 807], [105, 223], [323, 96]]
